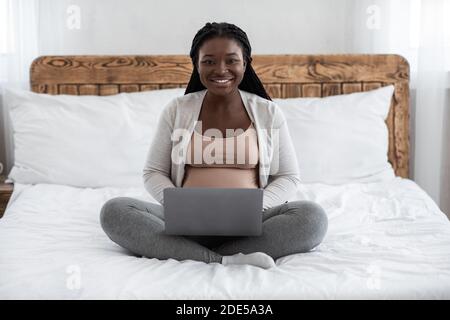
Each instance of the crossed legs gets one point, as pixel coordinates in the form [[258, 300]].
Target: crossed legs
[[289, 228]]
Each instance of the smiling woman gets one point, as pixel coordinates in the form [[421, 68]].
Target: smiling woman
[[224, 48], [221, 65], [223, 93]]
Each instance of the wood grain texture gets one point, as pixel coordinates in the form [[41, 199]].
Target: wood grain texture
[[68, 89], [88, 89], [283, 76], [351, 87], [148, 87], [312, 90], [291, 90], [6, 190], [129, 88], [273, 90], [331, 89], [108, 89]]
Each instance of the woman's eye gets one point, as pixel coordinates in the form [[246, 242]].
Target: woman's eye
[[207, 61]]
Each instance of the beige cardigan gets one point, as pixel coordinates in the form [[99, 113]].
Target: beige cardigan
[[278, 168]]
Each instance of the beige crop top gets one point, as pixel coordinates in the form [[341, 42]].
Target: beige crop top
[[230, 162]]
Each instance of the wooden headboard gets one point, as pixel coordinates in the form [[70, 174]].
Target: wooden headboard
[[282, 75]]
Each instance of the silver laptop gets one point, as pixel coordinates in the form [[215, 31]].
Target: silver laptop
[[213, 211]]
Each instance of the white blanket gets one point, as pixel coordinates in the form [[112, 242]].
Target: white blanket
[[385, 241]]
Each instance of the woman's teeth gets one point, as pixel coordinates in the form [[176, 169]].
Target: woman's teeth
[[222, 81]]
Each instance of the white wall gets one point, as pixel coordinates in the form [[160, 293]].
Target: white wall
[[168, 27]]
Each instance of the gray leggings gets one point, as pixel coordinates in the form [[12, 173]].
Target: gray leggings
[[289, 228]]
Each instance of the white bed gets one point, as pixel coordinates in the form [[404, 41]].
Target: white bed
[[385, 241]]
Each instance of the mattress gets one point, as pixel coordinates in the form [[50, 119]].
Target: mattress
[[385, 240]]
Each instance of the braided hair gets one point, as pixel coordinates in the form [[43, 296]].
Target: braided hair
[[250, 82]]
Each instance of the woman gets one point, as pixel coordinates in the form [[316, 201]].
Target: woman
[[223, 93]]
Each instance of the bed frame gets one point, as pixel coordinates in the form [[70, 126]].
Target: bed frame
[[282, 75]]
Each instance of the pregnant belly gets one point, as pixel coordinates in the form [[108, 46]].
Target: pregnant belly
[[220, 177]]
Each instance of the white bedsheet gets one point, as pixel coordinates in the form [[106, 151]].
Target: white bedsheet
[[385, 241]]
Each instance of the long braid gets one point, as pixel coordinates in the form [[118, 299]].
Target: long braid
[[250, 82]]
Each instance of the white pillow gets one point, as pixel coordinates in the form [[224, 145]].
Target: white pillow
[[83, 141], [341, 139]]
